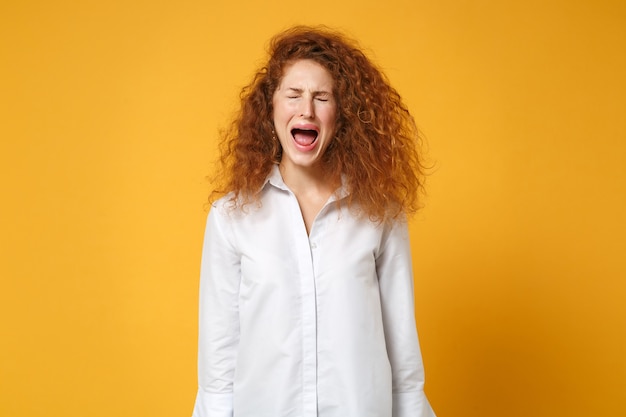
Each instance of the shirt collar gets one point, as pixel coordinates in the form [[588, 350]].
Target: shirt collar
[[276, 179]]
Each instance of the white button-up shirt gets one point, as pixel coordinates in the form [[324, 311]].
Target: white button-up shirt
[[297, 325]]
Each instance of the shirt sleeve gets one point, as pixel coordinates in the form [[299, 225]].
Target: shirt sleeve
[[395, 277], [218, 335]]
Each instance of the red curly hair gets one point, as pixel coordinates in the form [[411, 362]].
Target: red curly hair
[[375, 148]]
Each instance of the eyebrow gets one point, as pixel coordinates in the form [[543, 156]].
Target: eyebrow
[[315, 93]]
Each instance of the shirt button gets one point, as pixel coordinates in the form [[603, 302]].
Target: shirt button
[[313, 245]]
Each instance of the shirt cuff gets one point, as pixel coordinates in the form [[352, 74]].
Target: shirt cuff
[[411, 404], [213, 405]]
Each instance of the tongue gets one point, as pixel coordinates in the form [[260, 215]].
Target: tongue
[[304, 137]]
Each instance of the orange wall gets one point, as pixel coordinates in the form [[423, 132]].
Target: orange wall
[[108, 117]]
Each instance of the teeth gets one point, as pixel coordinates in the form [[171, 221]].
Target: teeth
[[304, 131]]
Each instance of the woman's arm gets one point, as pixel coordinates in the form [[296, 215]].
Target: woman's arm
[[395, 277], [219, 318]]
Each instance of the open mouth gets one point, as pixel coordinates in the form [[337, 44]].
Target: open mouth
[[304, 137]]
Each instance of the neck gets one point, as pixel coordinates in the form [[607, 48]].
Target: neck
[[307, 179]]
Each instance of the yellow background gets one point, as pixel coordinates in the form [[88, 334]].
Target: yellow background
[[108, 118]]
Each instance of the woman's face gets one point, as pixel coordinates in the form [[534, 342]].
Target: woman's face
[[304, 113]]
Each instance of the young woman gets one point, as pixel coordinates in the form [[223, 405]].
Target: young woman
[[306, 295]]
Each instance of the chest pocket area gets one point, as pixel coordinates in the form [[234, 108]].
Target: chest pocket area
[[265, 273]]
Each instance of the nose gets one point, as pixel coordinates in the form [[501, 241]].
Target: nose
[[306, 109]]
